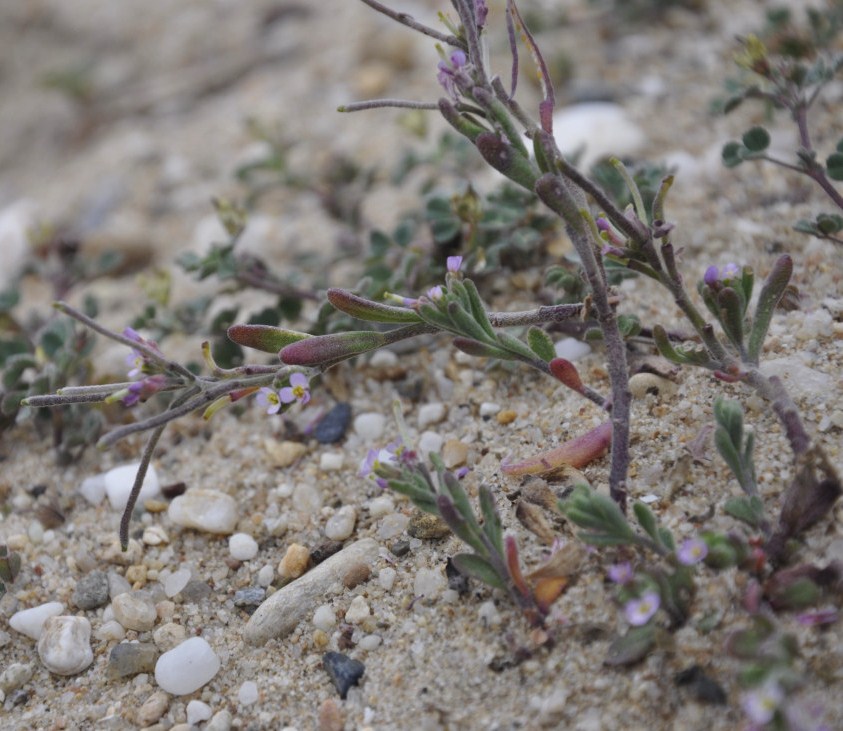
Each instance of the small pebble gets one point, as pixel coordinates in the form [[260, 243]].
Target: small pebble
[[176, 581], [168, 636], [333, 426], [357, 611], [331, 461], [324, 618], [386, 578], [356, 575], [30, 622], [134, 610], [430, 441], [295, 562], [343, 671], [248, 693], [155, 535], [65, 645], [489, 614], [283, 454], [429, 583], [454, 453], [242, 547], [250, 597], [571, 349], [197, 711], [341, 524], [15, 676], [221, 721], [370, 642], [195, 591], [110, 630], [93, 489], [488, 409], [130, 658], [430, 414], [642, 384], [307, 498], [324, 550], [205, 510], [392, 526], [186, 668], [330, 716], [380, 506], [400, 548], [427, 526], [370, 426], [119, 482], [153, 708], [91, 591], [266, 575], [507, 416], [117, 585]]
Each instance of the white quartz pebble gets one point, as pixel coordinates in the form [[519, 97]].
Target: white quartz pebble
[[357, 611], [369, 427], [119, 481], [341, 524], [266, 575], [242, 547], [187, 667], [571, 349], [331, 461], [134, 610], [324, 618], [430, 441], [30, 622], [392, 526], [596, 130], [488, 408], [197, 711], [248, 693], [175, 582], [93, 489], [205, 510], [431, 414], [380, 506], [428, 583], [65, 645], [386, 578]]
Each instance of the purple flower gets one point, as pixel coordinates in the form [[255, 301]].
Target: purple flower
[[435, 293], [820, 616], [298, 390], [692, 551], [454, 263], [447, 70], [138, 362], [377, 458], [640, 611], [620, 573], [268, 399], [142, 390], [715, 277], [761, 704]]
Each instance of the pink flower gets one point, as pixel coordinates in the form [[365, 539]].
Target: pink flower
[[298, 390], [761, 704], [640, 611], [692, 551], [435, 293], [268, 399], [620, 573], [454, 263], [447, 70], [143, 389]]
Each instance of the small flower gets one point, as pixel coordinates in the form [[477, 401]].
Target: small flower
[[761, 704], [480, 12], [298, 390], [377, 458], [144, 389], [268, 399], [620, 573], [640, 611], [435, 293], [447, 70], [138, 362], [692, 551], [715, 278], [454, 263], [817, 617]]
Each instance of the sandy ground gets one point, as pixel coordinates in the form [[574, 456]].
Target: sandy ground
[[133, 166]]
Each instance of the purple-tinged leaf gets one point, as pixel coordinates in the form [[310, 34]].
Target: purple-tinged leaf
[[472, 565], [364, 309], [267, 338], [546, 106], [330, 348], [513, 566], [566, 372], [771, 293], [577, 452]]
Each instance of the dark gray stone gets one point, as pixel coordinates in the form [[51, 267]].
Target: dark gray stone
[[131, 658], [91, 591], [344, 671], [333, 425]]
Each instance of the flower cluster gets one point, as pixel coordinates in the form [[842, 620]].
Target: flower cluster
[[139, 362], [273, 401]]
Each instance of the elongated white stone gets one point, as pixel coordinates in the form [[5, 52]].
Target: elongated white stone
[[30, 622], [187, 667]]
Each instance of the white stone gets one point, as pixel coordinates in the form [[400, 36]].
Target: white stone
[[428, 583], [392, 526], [358, 611], [324, 618], [341, 524], [30, 622], [369, 426], [134, 610], [489, 614], [369, 642], [65, 645], [242, 547], [205, 510], [430, 441], [176, 581], [119, 481], [266, 575], [221, 721], [383, 359], [155, 535], [197, 711], [799, 379], [598, 129], [571, 349], [431, 414], [186, 668], [93, 489], [307, 498], [331, 461], [386, 578], [248, 693], [487, 408], [117, 584], [110, 630], [17, 221], [380, 506]]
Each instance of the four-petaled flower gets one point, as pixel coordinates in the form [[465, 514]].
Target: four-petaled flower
[[298, 390], [268, 399], [143, 389], [454, 263], [448, 68], [692, 551], [715, 277], [641, 610], [621, 573], [761, 704], [376, 458]]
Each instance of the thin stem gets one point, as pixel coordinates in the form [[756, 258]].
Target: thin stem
[[387, 103], [143, 467], [272, 286], [773, 390], [410, 22], [465, 8]]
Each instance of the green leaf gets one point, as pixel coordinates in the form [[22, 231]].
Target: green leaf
[[492, 526], [364, 309], [266, 338], [756, 139], [465, 324], [632, 647], [470, 564], [540, 343], [478, 311], [834, 166], [771, 292], [515, 346], [731, 154], [747, 509], [480, 350], [731, 315], [15, 366], [646, 519], [9, 298]]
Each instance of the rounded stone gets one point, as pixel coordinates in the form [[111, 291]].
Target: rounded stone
[[358, 611], [341, 524], [428, 583], [134, 610], [430, 414], [30, 622], [205, 510], [120, 480], [324, 618], [153, 708], [65, 645], [242, 547], [370, 426], [333, 425], [186, 668], [248, 693], [197, 711], [295, 561]]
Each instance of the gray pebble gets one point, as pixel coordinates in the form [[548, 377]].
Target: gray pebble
[[195, 591], [344, 671], [250, 597], [400, 548], [130, 658], [91, 591], [333, 425]]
